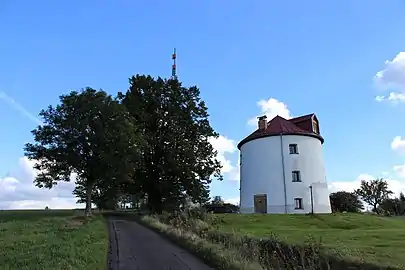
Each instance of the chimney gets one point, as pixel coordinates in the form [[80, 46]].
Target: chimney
[[262, 123]]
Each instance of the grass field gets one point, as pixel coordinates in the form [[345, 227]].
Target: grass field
[[54, 239], [375, 239]]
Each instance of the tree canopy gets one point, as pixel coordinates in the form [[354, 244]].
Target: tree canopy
[[89, 135], [148, 145], [178, 159], [374, 192], [343, 201]]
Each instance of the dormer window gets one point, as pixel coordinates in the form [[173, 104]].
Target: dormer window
[[315, 127]]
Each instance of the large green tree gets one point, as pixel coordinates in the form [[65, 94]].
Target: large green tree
[[342, 201], [89, 134], [393, 206], [374, 192], [178, 160]]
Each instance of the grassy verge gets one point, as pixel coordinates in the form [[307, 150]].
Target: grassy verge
[[213, 254], [52, 240], [212, 239]]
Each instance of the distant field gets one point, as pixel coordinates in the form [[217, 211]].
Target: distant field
[[374, 239], [54, 239]]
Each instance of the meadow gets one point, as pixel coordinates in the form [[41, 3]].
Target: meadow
[[52, 239], [254, 241], [379, 240]]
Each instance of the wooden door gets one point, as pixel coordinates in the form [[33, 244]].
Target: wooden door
[[260, 203]]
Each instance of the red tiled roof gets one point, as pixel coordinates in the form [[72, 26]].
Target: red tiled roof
[[279, 125], [302, 118]]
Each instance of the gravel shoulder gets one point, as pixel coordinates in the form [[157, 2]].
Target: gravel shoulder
[[133, 246]]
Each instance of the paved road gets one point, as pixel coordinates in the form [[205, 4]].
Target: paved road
[[135, 247]]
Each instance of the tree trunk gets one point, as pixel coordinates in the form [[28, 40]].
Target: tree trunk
[[155, 203], [376, 209], [89, 189]]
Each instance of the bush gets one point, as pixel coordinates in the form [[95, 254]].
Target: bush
[[221, 208]]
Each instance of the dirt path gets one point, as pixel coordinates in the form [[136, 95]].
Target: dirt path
[[136, 247]]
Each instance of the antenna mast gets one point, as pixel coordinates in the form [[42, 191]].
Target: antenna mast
[[174, 76]]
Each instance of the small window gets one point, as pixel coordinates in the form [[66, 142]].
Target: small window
[[315, 127], [293, 149], [296, 176], [298, 203]]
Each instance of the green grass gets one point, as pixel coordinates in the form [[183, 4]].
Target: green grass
[[54, 239], [374, 239]]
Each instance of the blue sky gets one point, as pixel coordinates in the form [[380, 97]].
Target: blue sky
[[311, 56]]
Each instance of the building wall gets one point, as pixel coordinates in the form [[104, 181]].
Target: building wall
[[261, 172]]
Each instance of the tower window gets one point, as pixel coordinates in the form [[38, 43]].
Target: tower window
[[298, 203], [315, 127], [296, 176], [293, 149]]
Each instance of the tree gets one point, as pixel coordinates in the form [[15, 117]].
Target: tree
[[103, 198], [345, 201], [217, 200], [177, 158], [89, 134], [391, 207], [217, 205], [374, 192], [394, 206]]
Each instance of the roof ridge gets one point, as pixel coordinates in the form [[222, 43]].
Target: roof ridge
[[286, 125]]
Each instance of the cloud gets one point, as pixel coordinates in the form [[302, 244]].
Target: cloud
[[400, 170], [223, 146], [392, 77], [396, 186], [398, 145], [19, 108], [392, 97], [17, 190], [271, 108], [234, 201]]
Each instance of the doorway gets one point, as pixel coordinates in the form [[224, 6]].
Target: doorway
[[260, 203]]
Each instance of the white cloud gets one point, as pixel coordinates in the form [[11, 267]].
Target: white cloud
[[398, 145], [400, 170], [223, 146], [17, 191], [396, 186], [271, 108], [392, 97], [392, 77], [234, 174], [234, 201]]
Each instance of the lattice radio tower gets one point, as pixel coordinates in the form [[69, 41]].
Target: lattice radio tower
[[174, 75]]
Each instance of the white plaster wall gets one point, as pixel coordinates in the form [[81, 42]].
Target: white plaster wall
[[261, 172]]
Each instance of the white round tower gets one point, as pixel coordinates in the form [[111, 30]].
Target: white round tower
[[281, 168]]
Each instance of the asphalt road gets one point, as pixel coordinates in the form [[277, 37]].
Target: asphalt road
[[133, 247]]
